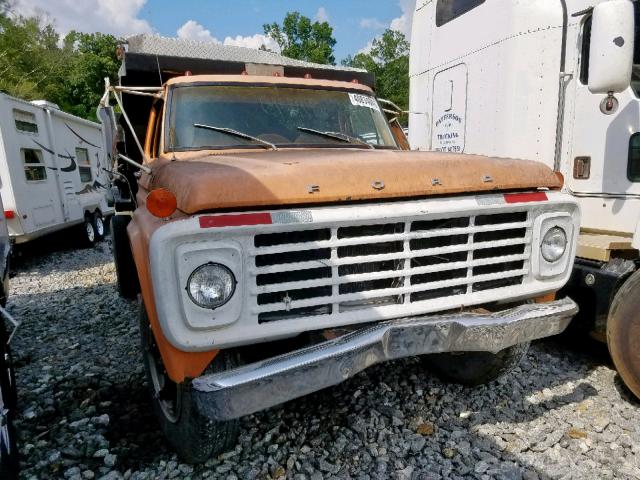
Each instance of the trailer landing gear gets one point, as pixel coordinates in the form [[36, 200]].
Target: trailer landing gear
[[623, 333]]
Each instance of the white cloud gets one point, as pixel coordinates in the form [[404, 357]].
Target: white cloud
[[322, 15], [367, 48], [404, 22], [118, 17], [372, 24], [255, 41], [192, 30]]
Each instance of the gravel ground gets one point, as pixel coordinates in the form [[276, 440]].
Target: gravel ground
[[85, 412]]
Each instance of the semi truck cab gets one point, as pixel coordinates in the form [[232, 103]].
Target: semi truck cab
[[557, 82]]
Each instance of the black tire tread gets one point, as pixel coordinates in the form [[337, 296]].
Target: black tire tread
[[194, 437], [623, 323], [97, 215], [8, 465], [475, 368]]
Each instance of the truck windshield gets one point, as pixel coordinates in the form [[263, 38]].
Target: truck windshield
[[635, 78], [282, 116]]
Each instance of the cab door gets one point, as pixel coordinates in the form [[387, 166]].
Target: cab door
[[448, 130]]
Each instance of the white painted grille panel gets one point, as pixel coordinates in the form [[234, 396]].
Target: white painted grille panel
[[362, 281], [332, 272]]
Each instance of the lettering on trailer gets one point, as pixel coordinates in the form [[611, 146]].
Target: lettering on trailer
[[448, 134]]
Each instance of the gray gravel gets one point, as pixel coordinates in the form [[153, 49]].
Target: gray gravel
[[85, 412]]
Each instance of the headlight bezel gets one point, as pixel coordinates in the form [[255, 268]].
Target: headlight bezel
[[224, 268], [541, 268], [554, 230]]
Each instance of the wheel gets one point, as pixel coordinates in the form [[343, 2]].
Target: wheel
[[8, 404], [98, 226], [126, 273], [194, 437], [88, 232], [475, 368], [623, 332]]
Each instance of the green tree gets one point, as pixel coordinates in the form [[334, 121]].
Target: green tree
[[34, 64], [300, 38], [30, 61], [388, 60], [93, 59]]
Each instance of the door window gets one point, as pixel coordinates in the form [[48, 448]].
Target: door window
[[447, 10], [34, 168], [633, 169], [84, 166]]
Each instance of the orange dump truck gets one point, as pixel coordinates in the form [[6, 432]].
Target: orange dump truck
[[281, 241]]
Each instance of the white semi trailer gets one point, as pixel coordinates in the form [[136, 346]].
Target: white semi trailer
[[556, 81]]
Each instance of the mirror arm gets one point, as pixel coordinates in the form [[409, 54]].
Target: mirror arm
[[135, 164]]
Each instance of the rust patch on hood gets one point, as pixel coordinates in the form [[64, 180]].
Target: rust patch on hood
[[206, 181]]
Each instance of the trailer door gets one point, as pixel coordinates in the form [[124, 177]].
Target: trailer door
[[449, 109]]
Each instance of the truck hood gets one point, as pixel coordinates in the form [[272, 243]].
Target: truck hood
[[204, 181]]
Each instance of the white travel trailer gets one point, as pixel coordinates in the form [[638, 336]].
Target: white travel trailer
[[556, 81], [51, 171]]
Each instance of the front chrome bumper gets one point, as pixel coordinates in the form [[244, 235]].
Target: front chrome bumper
[[248, 389]]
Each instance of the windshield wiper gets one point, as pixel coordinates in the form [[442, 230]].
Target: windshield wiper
[[235, 133], [336, 136]]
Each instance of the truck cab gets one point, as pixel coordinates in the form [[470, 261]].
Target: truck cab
[[281, 241], [557, 82]]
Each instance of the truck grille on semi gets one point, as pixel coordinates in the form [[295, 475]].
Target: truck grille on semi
[[333, 271]]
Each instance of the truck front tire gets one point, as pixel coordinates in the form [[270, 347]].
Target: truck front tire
[[194, 437], [623, 332], [126, 272], [475, 368]]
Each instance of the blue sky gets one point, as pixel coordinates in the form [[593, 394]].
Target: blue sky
[[239, 22]]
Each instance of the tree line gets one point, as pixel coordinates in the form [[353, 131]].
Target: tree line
[[36, 62]]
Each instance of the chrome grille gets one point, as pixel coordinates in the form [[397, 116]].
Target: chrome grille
[[346, 268]]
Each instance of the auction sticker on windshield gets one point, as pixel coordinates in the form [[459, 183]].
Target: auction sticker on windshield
[[364, 101]]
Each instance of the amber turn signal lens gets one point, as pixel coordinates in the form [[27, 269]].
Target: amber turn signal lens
[[161, 203]]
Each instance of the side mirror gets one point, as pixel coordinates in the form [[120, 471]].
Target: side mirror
[[107, 117], [611, 47]]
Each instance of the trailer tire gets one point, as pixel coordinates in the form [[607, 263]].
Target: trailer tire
[[8, 402], [623, 332], [126, 272], [475, 368], [195, 437], [88, 231], [98, 225]]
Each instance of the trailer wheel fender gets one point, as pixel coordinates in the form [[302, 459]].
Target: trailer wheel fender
[[623, 332]]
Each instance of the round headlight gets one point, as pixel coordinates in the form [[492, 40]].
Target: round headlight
[[211, 286], [554, 244]]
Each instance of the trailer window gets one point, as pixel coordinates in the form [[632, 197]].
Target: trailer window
[[84, 165], [25, 121], [633, 169], [447, 10], [34, 168]]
